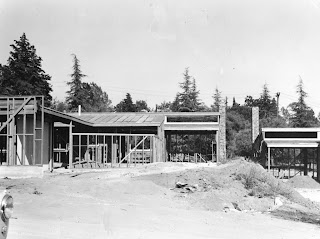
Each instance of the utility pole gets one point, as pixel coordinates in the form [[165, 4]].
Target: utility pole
[[277, 95]]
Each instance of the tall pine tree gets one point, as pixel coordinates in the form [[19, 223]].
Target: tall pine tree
[[303, 116], [188, 99], [76, 94], [126, 105], [23, 74], [216, 100]]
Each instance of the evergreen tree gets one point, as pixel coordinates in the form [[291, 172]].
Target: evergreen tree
[[303, 116], [188, 99], [216, 100], [194, 95], [175, 104], [267, 105], [185, 97], [234, 103], [76, 94], [23, 74], [126, 105]]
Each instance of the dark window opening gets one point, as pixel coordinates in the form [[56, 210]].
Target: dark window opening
[[208, 118], [291, 135]]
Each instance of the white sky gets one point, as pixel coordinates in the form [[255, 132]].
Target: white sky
[[143, 46]]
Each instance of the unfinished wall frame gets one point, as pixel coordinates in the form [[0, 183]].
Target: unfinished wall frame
[[102, 150], [22, 130]]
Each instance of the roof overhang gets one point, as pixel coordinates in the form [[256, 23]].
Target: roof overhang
[[291, 143], [187, 126], [290, 129], [64, 118]]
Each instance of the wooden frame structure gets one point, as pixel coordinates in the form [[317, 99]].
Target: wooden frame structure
[[286, 152], [91, 150], [22, 123], [28, 133]]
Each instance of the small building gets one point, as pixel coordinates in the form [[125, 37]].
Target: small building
[[287, 152]]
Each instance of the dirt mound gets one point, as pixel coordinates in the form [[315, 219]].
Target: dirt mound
[[303, 182], [238, 185]]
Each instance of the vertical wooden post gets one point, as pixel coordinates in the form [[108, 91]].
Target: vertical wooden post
[[269, 159], [70, 145], [142, 151], [79, 149], [103, 151], [88, 151], [318, 165], [151, 149], [51, 136], [217, 147], [112, 151], [120, 151], [135, 151], [42, 128], [24, 135], [34, 131], [96, 151], [305, 162], [127, 139], [289, 162]]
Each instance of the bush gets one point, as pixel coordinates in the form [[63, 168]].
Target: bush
[[259, 183]]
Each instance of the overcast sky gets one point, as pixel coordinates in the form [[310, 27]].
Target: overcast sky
[[143, 46]]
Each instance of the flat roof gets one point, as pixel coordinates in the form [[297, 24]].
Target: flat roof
[[290, 129], [120, 119], [123, 119], [291, 143]]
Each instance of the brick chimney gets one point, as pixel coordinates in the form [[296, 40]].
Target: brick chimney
[[255, 123], [222, 132]]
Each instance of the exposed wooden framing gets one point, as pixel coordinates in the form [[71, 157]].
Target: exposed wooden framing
[[103, 151], [305, 162], [318, 164], [143, 151], [42, 128], [128, 149], [51, 133], [269, 159], [15, 113], [151, 150], [80, 148], [294, 160], [120, 150], [8, 133], [135, 150], [87, 157], [96, 150], [314, 155], [70, 145], [112, 151], [217, 148], [34, 135], [24, 136]]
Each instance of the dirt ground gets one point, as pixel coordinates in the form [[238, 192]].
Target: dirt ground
[[163, 200]]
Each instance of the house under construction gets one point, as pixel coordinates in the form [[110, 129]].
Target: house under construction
[[33, 135], [287, 152]]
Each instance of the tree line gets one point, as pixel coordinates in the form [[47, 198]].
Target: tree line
[[23, 75]]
